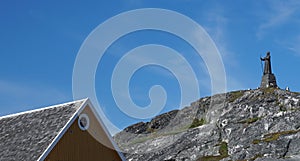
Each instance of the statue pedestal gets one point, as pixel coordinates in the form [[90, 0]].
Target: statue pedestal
[[268, 80]]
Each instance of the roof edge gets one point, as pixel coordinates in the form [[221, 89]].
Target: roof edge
[[94, 110], [63, 130], [39, 109]]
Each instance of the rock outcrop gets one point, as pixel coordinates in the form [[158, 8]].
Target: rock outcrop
[[254, 125]]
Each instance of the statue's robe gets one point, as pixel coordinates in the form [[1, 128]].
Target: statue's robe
[[267, 69]]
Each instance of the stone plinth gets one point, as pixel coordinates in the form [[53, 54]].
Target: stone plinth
[[268, 80]]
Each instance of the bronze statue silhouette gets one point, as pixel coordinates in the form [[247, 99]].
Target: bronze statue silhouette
[[268, 79], [267, 60]]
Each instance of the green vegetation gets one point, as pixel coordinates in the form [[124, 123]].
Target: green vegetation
[[256, 141], [269, 90], [150, 130], [274, 136], [271, 137], [196, 122], [223, 150], [296, 93], [250, 120], [235, 95]]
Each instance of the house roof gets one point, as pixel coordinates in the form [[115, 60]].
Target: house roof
[[27, 135]]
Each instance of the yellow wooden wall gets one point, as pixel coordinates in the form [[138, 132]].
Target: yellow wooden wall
[[78, 145]]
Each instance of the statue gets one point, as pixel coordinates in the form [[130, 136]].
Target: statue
[[268, 79], [267, 59]]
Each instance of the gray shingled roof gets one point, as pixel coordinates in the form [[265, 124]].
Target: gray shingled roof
[[26, 136]]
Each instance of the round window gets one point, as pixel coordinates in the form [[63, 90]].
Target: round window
[[83, 122]]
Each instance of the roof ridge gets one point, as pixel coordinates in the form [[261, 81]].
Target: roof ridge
[[40, 109]]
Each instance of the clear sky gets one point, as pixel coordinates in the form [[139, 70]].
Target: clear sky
[[40, 40]]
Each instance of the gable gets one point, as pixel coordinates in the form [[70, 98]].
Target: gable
[[78, 144]]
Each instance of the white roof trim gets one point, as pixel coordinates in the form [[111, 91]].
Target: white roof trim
[[38, 109], [63, 130]]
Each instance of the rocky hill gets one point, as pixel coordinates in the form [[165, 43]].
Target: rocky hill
[[260, 125]]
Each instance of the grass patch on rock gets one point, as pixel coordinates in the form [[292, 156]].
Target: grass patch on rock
[[250, 120], [197, 122], [274, 136], [223, 150], [269, 90], [150, 130], [235, 95]]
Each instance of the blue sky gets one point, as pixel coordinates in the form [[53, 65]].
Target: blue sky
[[40, 40]]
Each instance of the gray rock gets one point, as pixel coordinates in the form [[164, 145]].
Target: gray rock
[[260, 125]]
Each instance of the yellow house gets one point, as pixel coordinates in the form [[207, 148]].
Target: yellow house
[[67, 132]]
